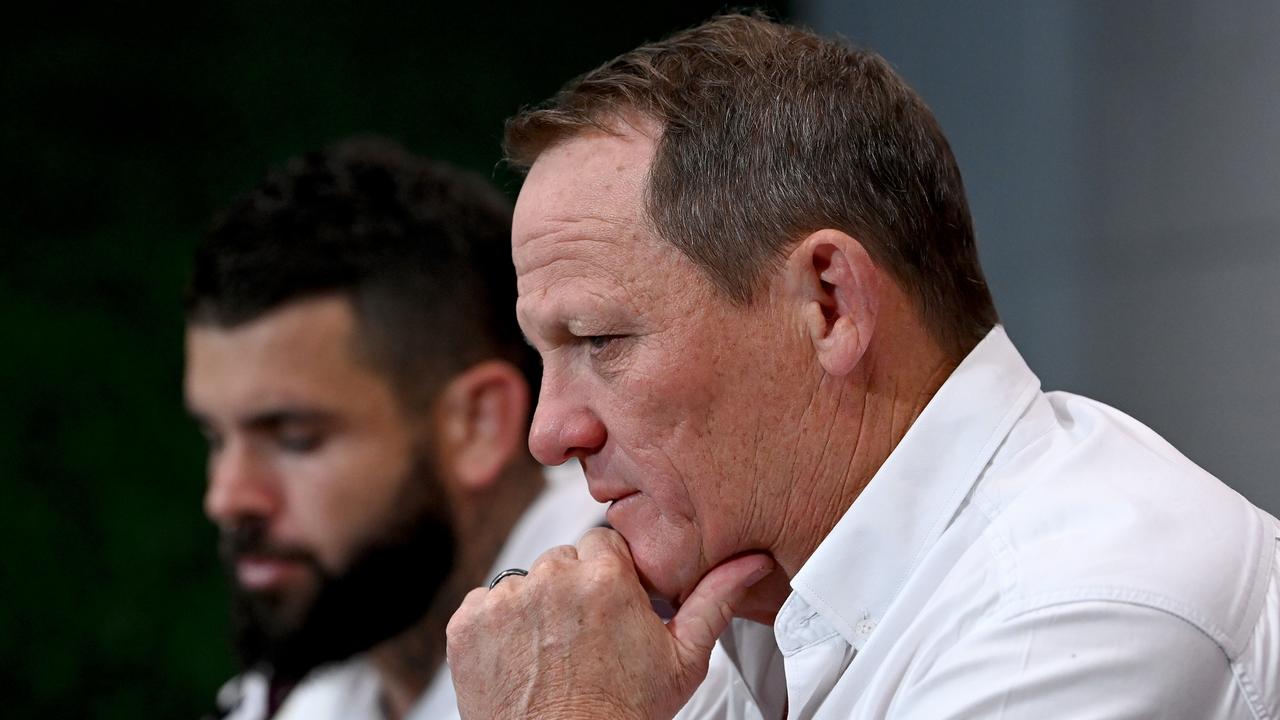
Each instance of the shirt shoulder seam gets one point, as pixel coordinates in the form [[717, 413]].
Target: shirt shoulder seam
[[1016, 607]]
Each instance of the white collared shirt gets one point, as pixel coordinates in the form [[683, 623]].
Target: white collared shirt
[[351, 690], [1021, 555]]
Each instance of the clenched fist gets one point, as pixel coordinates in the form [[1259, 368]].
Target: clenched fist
[[577, 637]]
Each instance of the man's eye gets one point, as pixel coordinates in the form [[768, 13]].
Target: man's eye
[[300, 442], [604, 347], [212, 440]]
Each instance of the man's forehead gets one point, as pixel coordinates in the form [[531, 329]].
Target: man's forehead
[[572, 275], [322, 325], [302, 350], [592, 175], [580, 213]]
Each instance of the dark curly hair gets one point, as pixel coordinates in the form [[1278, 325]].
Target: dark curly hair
[[421, 249]]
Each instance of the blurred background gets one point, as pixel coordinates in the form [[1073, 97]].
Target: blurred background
[[1122, 161]]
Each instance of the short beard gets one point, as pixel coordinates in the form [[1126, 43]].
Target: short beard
[[389, 584]]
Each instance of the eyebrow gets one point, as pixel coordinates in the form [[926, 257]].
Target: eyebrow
[[272, 418], [280, 416]]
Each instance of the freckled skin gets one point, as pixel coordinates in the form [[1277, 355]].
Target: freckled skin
[[722, 418], [690, 406]]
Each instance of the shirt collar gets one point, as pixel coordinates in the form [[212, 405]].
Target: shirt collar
[[859, 568]]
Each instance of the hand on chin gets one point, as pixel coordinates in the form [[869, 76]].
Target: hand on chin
[[577, 638]]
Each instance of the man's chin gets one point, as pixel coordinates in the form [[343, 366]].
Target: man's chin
[[666, 581], [268, 629], [301, 626]]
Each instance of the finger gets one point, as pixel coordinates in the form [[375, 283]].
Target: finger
[[600, 543], [712, 605], [557, 553], [470, 604], [462, 620]]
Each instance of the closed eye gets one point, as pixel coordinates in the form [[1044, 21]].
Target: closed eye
[[600, 342], [605, 349], [213, 440], [299, 441]]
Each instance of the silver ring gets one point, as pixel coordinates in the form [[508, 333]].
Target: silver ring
[[506, 574]]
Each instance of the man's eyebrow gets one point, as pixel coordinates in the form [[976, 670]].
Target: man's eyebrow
[[279, 416]]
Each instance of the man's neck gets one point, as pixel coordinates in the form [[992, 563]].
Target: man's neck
[[407, 663], [868, 416], [871, 418]]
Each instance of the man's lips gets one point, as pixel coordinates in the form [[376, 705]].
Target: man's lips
[[606, 492], [264, 572], [623, 498], [617, 507]]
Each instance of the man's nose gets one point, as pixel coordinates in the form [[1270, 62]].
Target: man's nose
[[240, 486], [562, 430]]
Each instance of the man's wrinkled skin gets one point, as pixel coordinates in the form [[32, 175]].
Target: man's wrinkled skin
[[646, 671], [707, 426]]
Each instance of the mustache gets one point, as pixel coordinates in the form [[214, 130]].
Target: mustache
[[250, 538]]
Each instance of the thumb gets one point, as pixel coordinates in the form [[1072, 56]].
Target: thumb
[[712, 604]]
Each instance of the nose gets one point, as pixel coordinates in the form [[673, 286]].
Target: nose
[[562, 430], [240, 487]]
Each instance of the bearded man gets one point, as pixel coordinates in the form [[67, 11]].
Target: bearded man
[[364, 388], [747, 260]]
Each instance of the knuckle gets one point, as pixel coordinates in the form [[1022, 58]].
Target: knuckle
[[559, 552], [619, 550], [457, 631], [615, 566], [553, 563], [603, 579], [601, 535], [467, 615]]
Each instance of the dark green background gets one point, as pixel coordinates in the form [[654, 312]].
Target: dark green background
[[122, 131]]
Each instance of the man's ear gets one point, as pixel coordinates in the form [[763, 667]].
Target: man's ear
[[837, 286], [482, 414]]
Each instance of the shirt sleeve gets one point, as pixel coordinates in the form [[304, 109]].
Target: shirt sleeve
[[1089, 660]]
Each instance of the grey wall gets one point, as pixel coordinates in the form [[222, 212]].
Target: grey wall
[[1123, 165]]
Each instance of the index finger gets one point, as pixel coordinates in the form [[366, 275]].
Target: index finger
[[604, 543]]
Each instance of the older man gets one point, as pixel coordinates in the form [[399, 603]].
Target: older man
[[746, 258], [353, 361]]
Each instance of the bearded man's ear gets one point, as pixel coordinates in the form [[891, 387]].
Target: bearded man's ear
[[482, 416]]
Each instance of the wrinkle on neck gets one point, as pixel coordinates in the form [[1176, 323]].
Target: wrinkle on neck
[[853, 425]]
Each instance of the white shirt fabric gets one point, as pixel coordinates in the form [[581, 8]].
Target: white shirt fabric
[[1021, 555], [351, 690]]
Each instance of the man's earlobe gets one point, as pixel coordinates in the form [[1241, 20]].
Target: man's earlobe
[[838, 286], [482, 416]]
